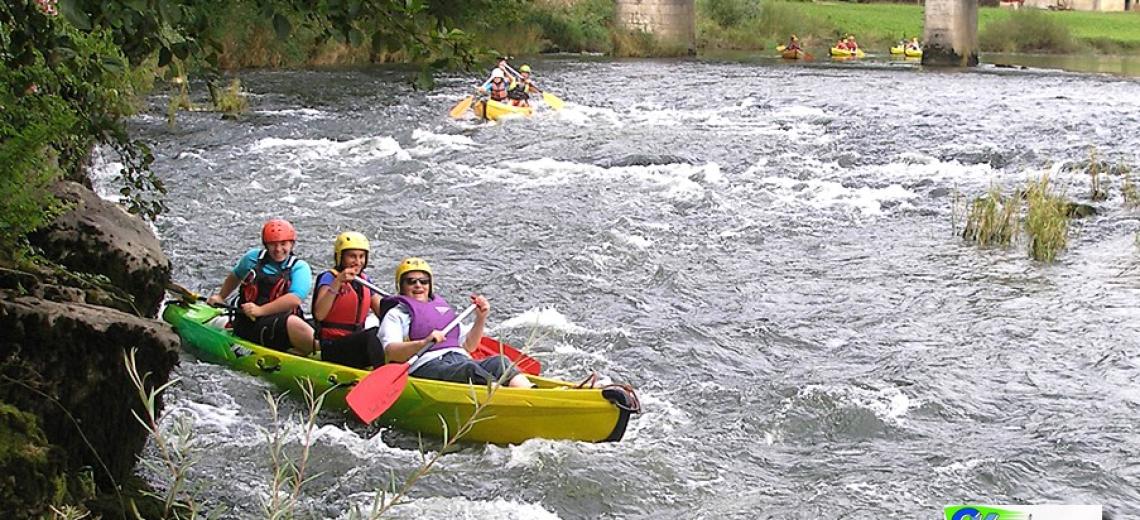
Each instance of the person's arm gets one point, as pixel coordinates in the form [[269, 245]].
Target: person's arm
[[394, 333], [328, 286], [300, 282], [482, 308], [228, 285]]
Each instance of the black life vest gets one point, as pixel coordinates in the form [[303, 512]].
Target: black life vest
[[346, 315], [260, 287]]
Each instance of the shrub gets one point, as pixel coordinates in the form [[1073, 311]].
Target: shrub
[[1027, 30]]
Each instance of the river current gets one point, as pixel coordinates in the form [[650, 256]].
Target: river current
[[766, 251]]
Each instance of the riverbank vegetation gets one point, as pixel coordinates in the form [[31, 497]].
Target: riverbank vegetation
[[751, 25]]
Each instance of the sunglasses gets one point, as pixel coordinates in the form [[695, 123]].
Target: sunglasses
[[414, 281]]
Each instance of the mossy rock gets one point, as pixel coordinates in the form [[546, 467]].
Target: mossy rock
[[31, 469]]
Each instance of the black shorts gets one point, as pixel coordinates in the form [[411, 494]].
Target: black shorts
[[268, 331], [361, 349]]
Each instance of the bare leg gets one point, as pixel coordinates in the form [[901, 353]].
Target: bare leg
[[300, 335], [520, 381]]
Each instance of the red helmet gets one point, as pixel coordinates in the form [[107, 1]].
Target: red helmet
[[278, 230]]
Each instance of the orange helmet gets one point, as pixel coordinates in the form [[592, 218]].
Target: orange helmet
[[278, 230]]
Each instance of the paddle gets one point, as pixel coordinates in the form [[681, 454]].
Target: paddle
[[487, 346], [549, 98], [374, 394], [187, 295], [461, 107]]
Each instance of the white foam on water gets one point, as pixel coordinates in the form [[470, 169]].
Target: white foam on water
[[659, 418], [888, 403], [463, 508], [105, 168], [684, 182], [302, 113], [533, 454], [545, 318], [430, 143], [639, 242], [830, 194], [800, 112], [352, 151]]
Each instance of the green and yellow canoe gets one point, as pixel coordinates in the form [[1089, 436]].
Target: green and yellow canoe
[[555, 410]]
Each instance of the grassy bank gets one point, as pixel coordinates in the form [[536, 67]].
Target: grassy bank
[[740, 24]]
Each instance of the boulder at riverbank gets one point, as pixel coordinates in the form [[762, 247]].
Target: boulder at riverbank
[[68, 433]]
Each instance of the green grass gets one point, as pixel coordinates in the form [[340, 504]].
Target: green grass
[[878, 25]]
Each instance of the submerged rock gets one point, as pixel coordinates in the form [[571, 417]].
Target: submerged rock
[[100, 237]]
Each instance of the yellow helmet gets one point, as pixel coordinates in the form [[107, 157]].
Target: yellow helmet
[[350, 240], [411, 264]]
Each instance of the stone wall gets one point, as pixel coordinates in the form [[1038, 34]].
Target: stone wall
[[672, 21]]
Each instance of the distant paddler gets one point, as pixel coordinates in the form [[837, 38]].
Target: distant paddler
[[520, 89], [496, 88]]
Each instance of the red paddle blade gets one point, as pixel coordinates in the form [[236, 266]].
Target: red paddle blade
[[492, 347], [374, 394]]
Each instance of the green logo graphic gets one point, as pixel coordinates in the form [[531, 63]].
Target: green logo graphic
[[971, 512]]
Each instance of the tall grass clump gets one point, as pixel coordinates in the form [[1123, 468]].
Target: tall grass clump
[[1027, 30], [1046, 220], [991, 219]]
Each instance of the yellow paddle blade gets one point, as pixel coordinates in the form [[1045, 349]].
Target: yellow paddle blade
[[552, 100], [780, 48], [461, 107]]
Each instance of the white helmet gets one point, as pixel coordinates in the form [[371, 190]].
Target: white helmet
[[497, 73]]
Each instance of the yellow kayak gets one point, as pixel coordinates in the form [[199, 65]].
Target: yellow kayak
[[555, 410], [844, 53], [914, 53], [897, 50], [494, 110]]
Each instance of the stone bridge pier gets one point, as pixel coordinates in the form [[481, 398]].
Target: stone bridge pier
[[670, 21], [951, 34]]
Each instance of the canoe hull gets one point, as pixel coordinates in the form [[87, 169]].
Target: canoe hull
[[555, 410], [494, 110], [844, 53], [794, 54]]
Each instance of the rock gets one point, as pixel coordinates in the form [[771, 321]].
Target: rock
[[31, 469], [1079, 210], [63, 362], [100, 237]]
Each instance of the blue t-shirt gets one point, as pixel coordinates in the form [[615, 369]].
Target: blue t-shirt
[[300, 282]]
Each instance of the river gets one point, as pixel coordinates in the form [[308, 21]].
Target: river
[[766, 251]]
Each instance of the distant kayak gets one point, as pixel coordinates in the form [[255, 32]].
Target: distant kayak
[[897, 50], [914, 53], [494, 110], [844, 53], [792, 54]]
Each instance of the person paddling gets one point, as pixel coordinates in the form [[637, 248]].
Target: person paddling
[[341, 306], [914, 45], [418, 319], [272, 283], [520, 89], [793, 44], [496, 87]]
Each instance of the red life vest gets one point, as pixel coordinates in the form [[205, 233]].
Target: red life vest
[[499, 92], [348, 311], [260, 288]]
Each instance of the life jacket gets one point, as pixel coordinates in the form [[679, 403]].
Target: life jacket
[[519, 90], [499, 92], [260, 287], [428, 316], [348, 312]]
